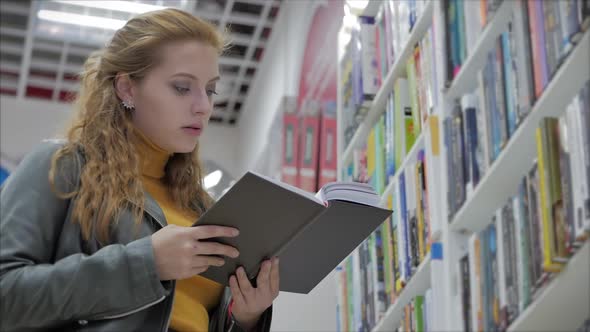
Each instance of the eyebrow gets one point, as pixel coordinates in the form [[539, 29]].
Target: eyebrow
[[216, 78]]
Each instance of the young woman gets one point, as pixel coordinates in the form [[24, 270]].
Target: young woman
[[95, 230]]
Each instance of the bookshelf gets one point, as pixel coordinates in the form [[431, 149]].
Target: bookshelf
[[463, 83], [569, 290], [488, 247], [377, 106], [371, 9], [417, 285], [411, 156], [505, 173]]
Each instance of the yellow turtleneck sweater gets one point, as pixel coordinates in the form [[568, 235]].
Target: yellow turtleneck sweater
[[194, 296]]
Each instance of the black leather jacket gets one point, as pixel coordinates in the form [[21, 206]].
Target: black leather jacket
[[51, 279]]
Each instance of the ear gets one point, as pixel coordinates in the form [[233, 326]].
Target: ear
[[124, 87]]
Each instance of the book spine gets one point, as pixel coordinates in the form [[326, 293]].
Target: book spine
[[509, 86], [492, 242], [551, 20], [544, 189], [419, 313], [510, 261], [535, 46], [557, 222], [401, 105], [483, 123], [536, 233], [413, 89], [492, 112], [568, 219], [545, 73], [405, 232], [419, 210], [570, 24], [369, 57], [465, 292], [522, 55], [474, 290], [448, 133], [458, 155], [500, 97], [520, 205]]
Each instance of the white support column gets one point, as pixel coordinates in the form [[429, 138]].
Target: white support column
[[60, 71], [23, 76], [249, 52]]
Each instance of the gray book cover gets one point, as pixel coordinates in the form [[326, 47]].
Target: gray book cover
[[309, 237]]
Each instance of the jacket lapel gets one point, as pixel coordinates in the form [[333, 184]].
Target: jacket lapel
[[152, 208]]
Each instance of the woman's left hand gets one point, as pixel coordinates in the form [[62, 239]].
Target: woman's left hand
[[250, 302]]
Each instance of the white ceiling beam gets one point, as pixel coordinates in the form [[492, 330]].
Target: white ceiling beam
[[28, 49], [249, 52], [7, 82], [10, 66], [11, 48], [231, 61], [13, 32], [246, 19], [60, 71], [13, 8], [243, 39], [275, 3]]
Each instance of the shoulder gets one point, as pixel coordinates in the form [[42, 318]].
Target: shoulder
[[36, 165]]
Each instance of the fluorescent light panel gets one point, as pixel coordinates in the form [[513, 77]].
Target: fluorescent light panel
[[78, 19], [212, 179], [122, 6]]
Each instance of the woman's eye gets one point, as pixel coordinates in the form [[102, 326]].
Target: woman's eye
[[181, 90], [211, 92]]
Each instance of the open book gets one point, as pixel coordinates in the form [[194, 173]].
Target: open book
[[311, 234]]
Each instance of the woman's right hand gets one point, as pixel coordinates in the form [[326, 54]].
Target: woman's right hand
[[180, 253]]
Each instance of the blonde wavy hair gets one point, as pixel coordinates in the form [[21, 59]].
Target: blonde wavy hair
[[110, 179]]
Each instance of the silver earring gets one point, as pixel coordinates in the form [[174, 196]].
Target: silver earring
[[128, 105]]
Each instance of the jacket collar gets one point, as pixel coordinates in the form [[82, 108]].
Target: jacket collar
[[152, 208]]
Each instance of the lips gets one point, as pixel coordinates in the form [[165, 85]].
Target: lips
[[193, 130]]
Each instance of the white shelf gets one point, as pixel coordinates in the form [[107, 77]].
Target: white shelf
[[372, 8], [398, 70], [502, 178], [565, 303], [411, 156], [418, 284], [463, 83]]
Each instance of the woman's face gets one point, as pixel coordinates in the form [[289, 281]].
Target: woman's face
[[173, 102]]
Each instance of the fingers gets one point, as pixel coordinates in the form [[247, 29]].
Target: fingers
[[274, 277], [206, 261], [199, 270], [245, 285], [235, 291], [215, 248], [262, 281], [211, 231]]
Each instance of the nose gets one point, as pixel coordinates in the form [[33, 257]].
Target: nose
[[201, 104]]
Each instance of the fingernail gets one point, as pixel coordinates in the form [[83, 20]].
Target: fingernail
[[276, 261], [236, 232], [236, 254]]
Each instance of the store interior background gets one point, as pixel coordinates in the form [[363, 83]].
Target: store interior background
[[237, 148]]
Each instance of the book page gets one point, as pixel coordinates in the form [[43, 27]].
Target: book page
[[361, 193]]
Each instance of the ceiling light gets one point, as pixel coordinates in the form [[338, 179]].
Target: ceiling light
[[122, 6], [78, 19], [212, 179]]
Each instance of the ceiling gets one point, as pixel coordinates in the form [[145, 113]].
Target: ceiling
[[40, 59]]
